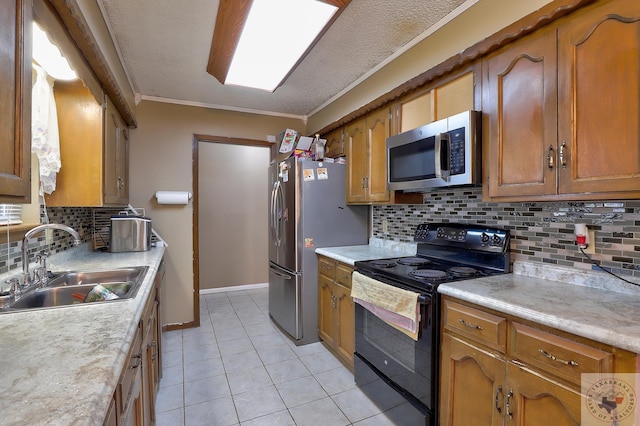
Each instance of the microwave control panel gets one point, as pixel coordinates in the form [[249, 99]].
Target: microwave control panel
[[456, 162]]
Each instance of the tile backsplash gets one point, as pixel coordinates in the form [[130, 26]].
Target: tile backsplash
[[79, 218], [540, 231]]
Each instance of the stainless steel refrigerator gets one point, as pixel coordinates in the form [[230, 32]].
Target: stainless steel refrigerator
[[307, 210]]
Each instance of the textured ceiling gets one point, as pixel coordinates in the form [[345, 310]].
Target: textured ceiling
[[165, 47]]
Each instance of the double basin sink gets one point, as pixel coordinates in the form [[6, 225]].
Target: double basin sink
[[70, 288]]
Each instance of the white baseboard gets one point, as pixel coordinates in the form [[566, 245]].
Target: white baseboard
[[233, 288]]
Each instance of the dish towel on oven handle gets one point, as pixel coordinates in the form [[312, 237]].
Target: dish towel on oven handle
[[395, 306]]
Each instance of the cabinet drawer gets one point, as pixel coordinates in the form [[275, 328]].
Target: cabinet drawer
[[482, 327], [343, 274], [327, 267], [563, 357]]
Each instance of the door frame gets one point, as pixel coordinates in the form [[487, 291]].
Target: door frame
[[197, 138]]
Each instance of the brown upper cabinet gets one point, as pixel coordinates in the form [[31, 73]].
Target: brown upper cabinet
[[423, 106], [94, 139], [335, 143], [93, 151], [15, 102], [116, 157], [561, 109], [367, 158]]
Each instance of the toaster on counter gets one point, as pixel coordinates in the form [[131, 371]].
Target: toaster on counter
[[129, 233]]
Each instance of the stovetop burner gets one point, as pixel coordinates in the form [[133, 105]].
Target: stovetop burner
[[413, 261], [431, 275], [384, 263], [463, 271]]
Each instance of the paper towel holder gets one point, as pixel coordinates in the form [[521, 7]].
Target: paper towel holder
[[173, 197]]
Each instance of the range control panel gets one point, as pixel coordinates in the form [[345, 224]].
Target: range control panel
[[462, 235]]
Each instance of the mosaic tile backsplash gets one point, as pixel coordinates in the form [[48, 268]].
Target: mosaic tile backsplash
[[540, 231], [78, 218]]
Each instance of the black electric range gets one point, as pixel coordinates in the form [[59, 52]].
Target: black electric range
[[400, 373], [445, 252]]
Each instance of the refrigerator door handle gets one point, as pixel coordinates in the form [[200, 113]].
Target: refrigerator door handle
[[278, 216], [281, 275], [272, 212]]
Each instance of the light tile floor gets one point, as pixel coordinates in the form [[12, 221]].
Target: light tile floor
[[237, 368]]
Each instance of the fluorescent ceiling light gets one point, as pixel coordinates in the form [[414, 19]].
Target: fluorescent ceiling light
[[275, 36], [48, 56]]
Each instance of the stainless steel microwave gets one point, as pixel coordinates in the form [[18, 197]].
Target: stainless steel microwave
[[446, 152]]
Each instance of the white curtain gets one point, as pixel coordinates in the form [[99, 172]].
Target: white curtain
[[45, 140]]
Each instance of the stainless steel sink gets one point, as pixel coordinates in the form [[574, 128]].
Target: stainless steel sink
[[135, 274], [70, 288]]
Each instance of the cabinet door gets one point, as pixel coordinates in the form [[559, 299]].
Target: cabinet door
[[538, 400], [345, 343], [357, 155], [414, 111], [150, 366], [80, 180], [599, 99], [454, 97], [326, 310], [335, 144], [116, 147], [519, 102], [471, 385], [15, 101], [377, 134]]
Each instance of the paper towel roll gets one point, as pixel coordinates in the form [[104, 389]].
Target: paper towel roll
[[173, 197]]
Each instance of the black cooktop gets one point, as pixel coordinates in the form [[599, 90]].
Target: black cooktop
[[446, 252]]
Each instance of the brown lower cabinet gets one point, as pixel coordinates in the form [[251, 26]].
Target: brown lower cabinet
[[336, 316], [497, 369], [135, 395]]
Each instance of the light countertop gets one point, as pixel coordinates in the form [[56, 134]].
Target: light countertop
[[61, 366], [376, 249], [585, 303]]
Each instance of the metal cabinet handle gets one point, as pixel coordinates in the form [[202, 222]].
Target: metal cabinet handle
[[498, 392], [138, 359], [154, 346], [550, 159], [563, 162], [469, 325], [507, 404], [555, 358]]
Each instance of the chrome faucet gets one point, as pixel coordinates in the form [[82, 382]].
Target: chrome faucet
[[27, 281]]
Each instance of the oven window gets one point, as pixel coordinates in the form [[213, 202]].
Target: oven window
[[413, 161], [405, 361]]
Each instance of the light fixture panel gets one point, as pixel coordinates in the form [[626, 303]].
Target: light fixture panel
[[275, 36]]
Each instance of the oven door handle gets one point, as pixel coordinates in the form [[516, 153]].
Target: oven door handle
[[422, 299]]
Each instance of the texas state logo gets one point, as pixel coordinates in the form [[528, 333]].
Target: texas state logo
[[610, 400]]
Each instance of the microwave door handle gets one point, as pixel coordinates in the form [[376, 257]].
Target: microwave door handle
[[443, 156]]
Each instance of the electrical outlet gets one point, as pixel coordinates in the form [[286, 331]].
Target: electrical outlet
[[385, 226], [48, 236], [591, 238]]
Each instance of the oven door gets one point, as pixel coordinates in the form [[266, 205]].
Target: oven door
[[388, 360]]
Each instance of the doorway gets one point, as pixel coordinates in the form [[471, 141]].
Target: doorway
[[230, 213]]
